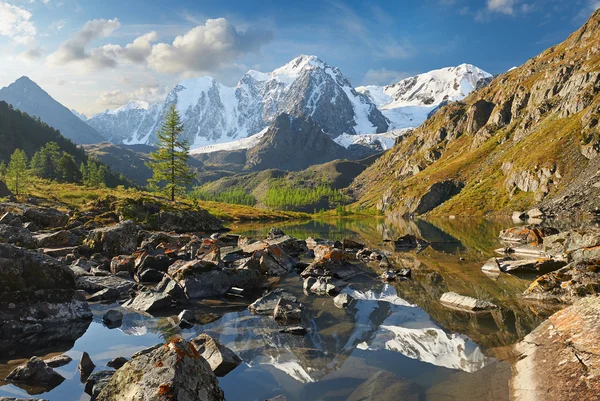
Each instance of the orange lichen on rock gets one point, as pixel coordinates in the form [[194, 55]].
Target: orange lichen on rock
[[335, 255], [165, 389], [158, 364]]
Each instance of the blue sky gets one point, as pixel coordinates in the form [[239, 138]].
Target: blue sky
[[93, 55]]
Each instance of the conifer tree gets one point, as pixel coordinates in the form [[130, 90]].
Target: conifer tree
[[2, 170], [17, 173], [170, 170]]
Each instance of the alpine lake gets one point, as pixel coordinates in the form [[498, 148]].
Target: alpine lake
[[396, 342]]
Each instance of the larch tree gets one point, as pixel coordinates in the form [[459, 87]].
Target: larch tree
[[170, 170], [17, 172]]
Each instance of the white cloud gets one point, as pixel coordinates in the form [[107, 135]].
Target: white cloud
[[206, 48], [32, 54], [75, 50], [501, 6], [57, 26], [149, 91], [15, 23], [383, 76]]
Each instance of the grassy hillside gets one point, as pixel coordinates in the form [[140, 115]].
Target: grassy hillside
[[316, 188], [77, 198], [514, 143]]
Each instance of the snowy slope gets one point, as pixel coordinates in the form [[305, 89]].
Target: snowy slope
[[239, 144], [123, 125], [408, 102], [215, 113]]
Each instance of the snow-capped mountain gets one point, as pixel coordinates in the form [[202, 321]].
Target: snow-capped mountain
[[26, 96], [214, 113], [131, 123], [408, 103]]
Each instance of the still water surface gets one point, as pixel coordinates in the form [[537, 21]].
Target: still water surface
[[397, 341]]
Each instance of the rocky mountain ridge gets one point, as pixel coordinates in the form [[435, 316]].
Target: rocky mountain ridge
[[215, 113], [516, 142]]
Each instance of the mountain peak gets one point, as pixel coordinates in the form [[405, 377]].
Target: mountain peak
[[25, 81]]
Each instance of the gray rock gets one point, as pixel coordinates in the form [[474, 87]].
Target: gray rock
[[321, 286], [97, 381], [181, 376], [275, 232], [535, 213], [117, 363], [148, 301], [35, 371], [122, 263], [187, 315], [170, 287], [16, 235], [115, 240], [58, 361], [86, 366], [410, 241], [343, 300], [464, 303], [295, 330], [38, 294], [267, 303], [57, 239], [113, 318], [287, 312], [221, 359], [98, 283], [107, 294]]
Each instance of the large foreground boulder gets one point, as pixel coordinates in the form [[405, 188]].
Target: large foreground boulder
[[560, 359], [119, 239], [37, 295], [174, 371]]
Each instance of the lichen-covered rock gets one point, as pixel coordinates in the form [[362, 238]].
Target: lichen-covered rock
[[174, 371], [115, 240], [36, 293], [574, 244], [577, 279], [221, 359], [560, 359], [530, 234]]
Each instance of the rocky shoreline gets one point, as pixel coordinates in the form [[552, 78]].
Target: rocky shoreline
[[63, 263]]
